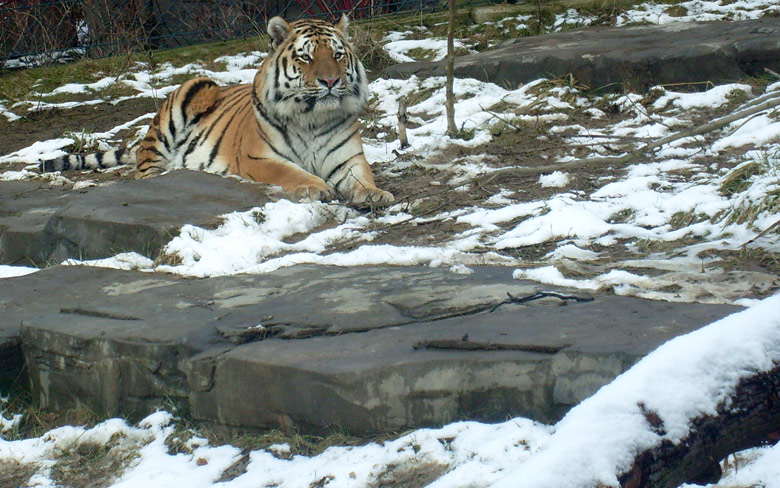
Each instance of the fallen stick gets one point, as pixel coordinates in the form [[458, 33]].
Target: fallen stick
[[461, 345], [540, 295]]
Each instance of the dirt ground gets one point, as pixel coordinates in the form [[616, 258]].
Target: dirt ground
[[513, 147], [50, 124]]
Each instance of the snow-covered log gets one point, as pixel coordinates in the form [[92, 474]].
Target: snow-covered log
[[673, 416], [749, 418]]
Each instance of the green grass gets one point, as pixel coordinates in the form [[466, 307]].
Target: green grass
[[676, 11], [207, 52], [19, 85], [422, 54], [683, 219], [83, 142], [622, 216]]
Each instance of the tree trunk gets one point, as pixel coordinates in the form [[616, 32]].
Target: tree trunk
[[402, 123], [452, 129]]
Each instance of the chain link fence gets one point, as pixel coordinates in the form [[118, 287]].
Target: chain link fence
[[35, 32]]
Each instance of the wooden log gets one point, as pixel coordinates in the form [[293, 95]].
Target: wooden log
[[750, 418]]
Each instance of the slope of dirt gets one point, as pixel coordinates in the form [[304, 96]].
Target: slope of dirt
[[52, 123]]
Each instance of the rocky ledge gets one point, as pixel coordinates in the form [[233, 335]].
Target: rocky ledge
[[635, 57], [312, 348]]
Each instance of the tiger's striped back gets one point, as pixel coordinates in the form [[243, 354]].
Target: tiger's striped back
[[180, 132]]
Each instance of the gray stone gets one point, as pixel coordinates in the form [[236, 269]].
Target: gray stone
[[40, 225], [612, 58], [311, 347], [25, 210], [579, 374]]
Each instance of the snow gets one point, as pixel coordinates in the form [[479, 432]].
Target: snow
[[758, 467], [83, 88], [698, 11], [556, 179], [716, 96], [647, 203], [23, 174], [7, 271], [42, 150], [125, 260], [398, 49], [10, 116], [757, 131]]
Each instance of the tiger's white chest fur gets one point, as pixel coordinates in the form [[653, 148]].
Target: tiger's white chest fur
[[314, 145]]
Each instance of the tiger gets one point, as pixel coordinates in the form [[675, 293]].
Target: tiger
[[295, 126]]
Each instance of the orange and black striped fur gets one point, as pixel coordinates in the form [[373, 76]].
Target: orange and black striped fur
[[295, 126]]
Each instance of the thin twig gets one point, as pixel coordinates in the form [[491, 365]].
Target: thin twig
[[540, 295], [763, 98], [706, 84], [495, 115], [604, 136]]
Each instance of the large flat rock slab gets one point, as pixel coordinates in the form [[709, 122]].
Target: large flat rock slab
[[534, 360], [25, 210], [612, 58], [40, 225], [367, 349]]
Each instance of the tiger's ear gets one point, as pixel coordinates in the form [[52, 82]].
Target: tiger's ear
[[343, 24], [278, 29]]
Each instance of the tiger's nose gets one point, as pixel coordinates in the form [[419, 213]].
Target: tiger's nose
[[328, 82]]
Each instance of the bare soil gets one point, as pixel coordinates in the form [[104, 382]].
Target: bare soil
[[47, 124]]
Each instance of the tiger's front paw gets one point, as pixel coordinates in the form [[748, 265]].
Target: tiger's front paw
[[313, 191], [371, 196]]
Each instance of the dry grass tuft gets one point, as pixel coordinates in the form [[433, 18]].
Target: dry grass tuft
[[368, 44]]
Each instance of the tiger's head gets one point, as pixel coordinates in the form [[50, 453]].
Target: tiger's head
[[312, 71]]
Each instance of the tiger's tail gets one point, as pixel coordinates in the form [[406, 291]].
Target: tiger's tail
[[98, 160]]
